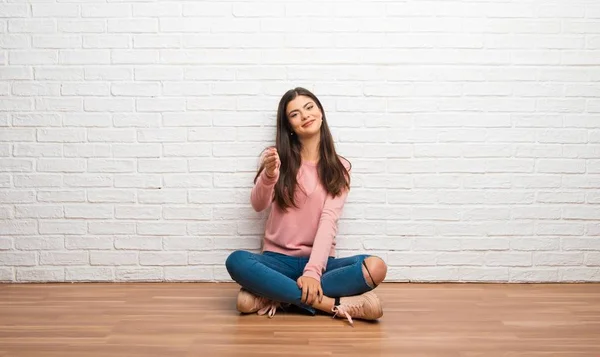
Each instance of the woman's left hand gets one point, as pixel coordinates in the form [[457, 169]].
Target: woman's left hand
[[311, 290]]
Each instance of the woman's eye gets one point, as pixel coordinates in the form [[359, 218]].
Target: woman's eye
[[310, 107]]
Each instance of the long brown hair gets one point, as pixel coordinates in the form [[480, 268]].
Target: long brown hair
[[332, 173]]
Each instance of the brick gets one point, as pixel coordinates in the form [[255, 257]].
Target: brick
[[89, 211], [575, 274], [31, 25], [430, 274], [57, 42], [61, 196], [17, 196], [137, 56], [45, 274], [163, 258], [508, 259], [33, 57], [136, 90], [476, 274], [162, 228], [64, 258], [162, 196], [57, 73], [17, 134], [111, 135], [411, 259], [68, 227], [15, 104], [385, 212], [40, 243], [18, 227], [484, 244], [188, 244], [110, 228], [572, 243], [87, 274], [192, 273], [162, 135], [109, 10], [171, 165], [138, 181], [88, 243], [187, 212], [81, 26], [139, 243], [113, 258], [139, 274], [132, 25], [592, 259], [539, 212], [195, 150], [252, 243], [61, 135], [557, 259], [233, 180], [84, 57], [157, 10], [560, 229], [150, 73], [111, 165], [533, 275], [55, 10], [36, 119], [109, 104], [138, 212], [571, 166], [6, 213], [16, 73], [114, 73], [85, 89], [15, 258], [87, 150], [139, 120]]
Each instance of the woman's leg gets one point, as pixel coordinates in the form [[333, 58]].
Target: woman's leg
[[270, 275], [353, 275], [349, 276], [346, 285]]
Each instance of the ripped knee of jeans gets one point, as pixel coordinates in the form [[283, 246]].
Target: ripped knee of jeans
[[375, 269]]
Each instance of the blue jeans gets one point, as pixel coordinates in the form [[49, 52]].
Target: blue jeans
[[273, 276]]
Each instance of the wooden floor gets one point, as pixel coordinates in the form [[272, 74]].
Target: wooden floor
[[196, 320]]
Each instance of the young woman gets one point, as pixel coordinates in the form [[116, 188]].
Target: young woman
[[305, 183]]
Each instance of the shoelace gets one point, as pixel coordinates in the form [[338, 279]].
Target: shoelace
[[346, 311], [270, 308]]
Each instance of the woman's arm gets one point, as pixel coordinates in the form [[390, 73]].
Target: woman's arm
[[332, 210], [262, 192]]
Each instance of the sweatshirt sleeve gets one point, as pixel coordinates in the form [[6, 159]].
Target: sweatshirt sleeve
[[262, 192], [326, 232]]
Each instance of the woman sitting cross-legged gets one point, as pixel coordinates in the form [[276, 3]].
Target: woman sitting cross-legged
[[305, 183]]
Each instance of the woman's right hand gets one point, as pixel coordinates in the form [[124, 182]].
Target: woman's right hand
[[271, 163]]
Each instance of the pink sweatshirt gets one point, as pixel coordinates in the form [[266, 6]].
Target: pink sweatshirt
[[306, 231]]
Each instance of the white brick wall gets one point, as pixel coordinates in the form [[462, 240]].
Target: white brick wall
[[130, 132]]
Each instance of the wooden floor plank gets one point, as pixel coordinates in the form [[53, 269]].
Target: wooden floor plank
[[185, 319]]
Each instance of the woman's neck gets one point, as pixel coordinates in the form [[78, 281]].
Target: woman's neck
[[310, 149]]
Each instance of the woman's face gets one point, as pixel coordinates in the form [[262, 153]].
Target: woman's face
[[305, 116]]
